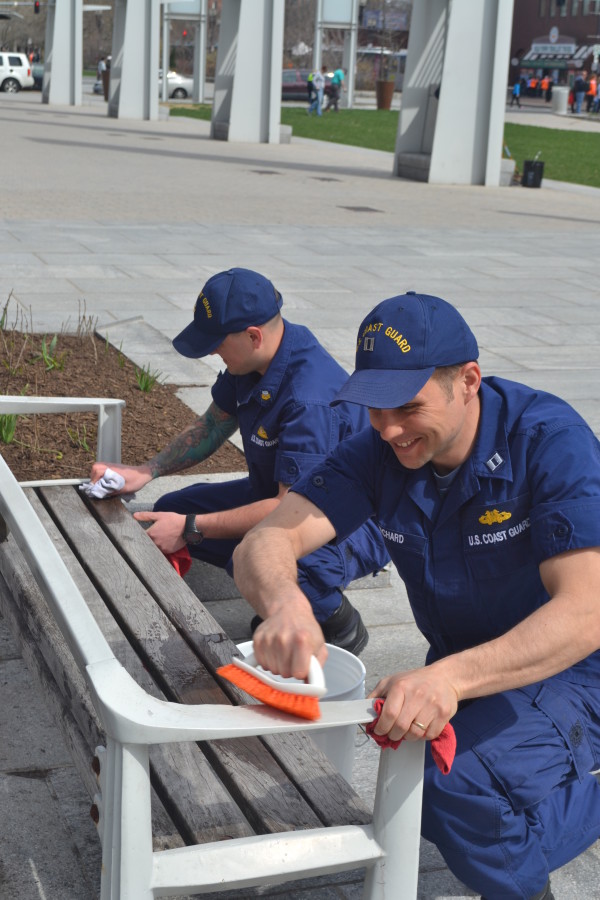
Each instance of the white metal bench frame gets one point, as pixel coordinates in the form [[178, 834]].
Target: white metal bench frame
[[133, 720], [108, 441]]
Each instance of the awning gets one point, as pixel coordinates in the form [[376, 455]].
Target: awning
[[557, 59]]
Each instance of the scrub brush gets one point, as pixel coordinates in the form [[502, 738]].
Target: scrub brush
[[295, 697]]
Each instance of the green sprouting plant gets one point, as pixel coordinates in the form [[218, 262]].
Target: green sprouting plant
[[8, 426], [146, 379], [4, 315], [79, 438], [52, 359], [121, 356]]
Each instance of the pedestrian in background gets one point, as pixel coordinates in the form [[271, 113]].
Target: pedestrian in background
[[337, 83], [318, 82], [516, 94]]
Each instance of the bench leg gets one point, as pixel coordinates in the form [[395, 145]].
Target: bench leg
[[397, 823], [127, 824]]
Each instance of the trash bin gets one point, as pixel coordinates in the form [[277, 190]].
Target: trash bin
[[533, 172], [560, 100]]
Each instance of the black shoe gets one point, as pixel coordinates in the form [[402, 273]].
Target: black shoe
[[344, 628]]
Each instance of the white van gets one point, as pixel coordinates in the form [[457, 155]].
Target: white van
[[15, 72]]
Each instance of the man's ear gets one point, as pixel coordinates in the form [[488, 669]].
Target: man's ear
[[256, 336], [471, 380]]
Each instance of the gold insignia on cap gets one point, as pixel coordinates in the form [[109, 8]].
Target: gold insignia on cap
[[204, 299], [494, 517]]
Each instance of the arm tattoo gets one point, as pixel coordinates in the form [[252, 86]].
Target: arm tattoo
[[196, 443]]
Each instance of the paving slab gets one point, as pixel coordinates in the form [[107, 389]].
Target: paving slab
[[124, 221]]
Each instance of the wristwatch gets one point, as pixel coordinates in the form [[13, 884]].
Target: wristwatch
[[192, 534]]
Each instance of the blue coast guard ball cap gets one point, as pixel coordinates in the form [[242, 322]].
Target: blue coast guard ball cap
[[229, 302], [399, 345]]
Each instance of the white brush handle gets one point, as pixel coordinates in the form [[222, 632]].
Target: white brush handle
[[315, 687]]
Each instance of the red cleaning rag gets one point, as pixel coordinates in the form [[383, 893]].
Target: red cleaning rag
[[443, 747], [180, 560]]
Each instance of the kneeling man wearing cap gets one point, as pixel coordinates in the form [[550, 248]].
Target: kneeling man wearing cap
[[487, 494], [276, 388]]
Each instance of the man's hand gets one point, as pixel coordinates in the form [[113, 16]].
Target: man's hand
[[166, 530], [287, 639], [421, 696], [135, 476]]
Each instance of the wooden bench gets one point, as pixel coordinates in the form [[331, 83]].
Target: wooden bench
[[112, 633]]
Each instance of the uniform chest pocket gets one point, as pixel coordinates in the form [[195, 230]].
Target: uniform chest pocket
[[497, 538], [408, 552]]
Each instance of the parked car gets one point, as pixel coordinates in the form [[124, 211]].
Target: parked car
[[178, 86], [15, 72], [294, 84]]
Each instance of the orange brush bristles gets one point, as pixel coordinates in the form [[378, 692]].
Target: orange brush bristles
[[295, 704]]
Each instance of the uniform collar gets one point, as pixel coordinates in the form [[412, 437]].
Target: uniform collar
[[490, 457]]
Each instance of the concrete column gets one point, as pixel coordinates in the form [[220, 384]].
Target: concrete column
[[452, 118], [349, 59], [63, 56], [200, 33], [134, 68], [247, 99], [424, 64]]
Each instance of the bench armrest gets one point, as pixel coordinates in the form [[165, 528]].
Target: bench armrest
[[132, 716], [108, 410]]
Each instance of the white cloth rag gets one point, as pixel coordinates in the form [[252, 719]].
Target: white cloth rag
[[108, 484]]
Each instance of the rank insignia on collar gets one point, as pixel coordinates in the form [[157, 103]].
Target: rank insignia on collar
[[262, 433], [494, 462], [265, 395]]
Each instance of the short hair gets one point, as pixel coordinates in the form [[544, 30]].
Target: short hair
[[446, 375]]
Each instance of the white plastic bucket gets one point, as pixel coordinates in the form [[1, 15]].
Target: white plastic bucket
[[345, 680]]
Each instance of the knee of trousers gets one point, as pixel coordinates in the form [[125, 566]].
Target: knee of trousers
[[461, 808]]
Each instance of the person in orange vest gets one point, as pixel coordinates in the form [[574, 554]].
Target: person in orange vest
[[591, 93]]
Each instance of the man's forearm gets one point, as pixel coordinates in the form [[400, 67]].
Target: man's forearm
[[265, 570], [195, 444], [232, 524]]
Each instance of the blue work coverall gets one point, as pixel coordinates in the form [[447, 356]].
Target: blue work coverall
[[287, 427], [519, 801]]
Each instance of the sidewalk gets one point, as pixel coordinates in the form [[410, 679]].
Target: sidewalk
[[130, 218]]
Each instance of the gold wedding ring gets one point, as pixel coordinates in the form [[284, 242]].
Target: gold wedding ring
[[418, 724]]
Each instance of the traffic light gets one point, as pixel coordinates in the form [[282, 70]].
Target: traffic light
[[36, 7]]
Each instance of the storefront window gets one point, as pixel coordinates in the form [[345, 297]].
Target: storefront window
[[552, 8], [575, 7], [586, 7], [542, 9]]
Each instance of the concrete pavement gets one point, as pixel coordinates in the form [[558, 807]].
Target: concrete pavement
[[126, 220]]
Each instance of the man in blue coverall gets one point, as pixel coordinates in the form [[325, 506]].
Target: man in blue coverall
[[487, 494], [277, 389]]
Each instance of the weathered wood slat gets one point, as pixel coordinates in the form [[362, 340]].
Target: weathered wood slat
[[328, 793], [181, 775], [249, 771]]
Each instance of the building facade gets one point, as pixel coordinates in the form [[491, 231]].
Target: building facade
[[554, 38]]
